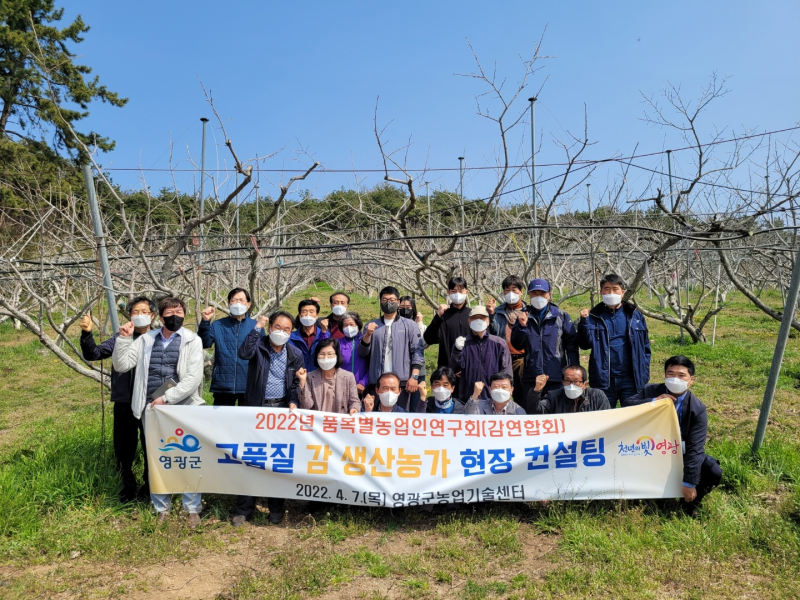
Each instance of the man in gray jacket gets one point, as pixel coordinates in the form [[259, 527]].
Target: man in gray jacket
[[171, 352], [575, 396], [393, 345]]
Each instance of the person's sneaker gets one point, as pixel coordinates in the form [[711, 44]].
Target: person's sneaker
[[275, 517], [162, 518], [194, 520], [239, 521]]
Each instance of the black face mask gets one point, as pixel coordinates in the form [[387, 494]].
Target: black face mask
[[406, 312], [173, 322], [389, 307]]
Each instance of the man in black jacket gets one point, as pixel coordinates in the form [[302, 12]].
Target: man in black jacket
[[574, 396], [128, 430], [701, 472], [271, 382], [450, 323]]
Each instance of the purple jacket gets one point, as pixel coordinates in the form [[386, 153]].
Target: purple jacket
[[351, 361], [478, 361]]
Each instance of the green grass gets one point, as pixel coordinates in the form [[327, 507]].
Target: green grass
[[58, 494]]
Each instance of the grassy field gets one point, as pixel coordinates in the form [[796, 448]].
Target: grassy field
[[63, 533]]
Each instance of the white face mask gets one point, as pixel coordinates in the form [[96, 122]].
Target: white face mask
[[350, 331], [237, 309], [675, 385], [458, 298], [539, 302], [326, 363], [511, 298], [500, 395], [140, 320], [388, 399], [278, 337], [478, 325], [339, 310], [308, 321], [611, 299], [441, 393], [573, 391]]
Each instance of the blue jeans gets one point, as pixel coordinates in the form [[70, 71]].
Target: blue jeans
[[163, 502], [620, 388]]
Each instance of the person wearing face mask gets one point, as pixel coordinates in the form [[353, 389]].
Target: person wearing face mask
[[443, 385], [393, 345], [172, 352], [272, 382], [573, 396], [617, 335], [128, 430], [351, 360], [501, 323], [701, 472], [330, 388], [388, 390], [548, 335], [229, 377], [449, 322], [499, 402], [308, 332], [478, 357], [340, 303]]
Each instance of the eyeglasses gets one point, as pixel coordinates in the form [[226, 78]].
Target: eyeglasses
[[572, 382], [320, 355]]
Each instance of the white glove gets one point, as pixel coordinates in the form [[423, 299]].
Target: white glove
[[460, 342]]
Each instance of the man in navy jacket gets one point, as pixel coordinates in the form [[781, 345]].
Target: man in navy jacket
[[548, 336], [128, 430], [229, 377], [701, 472], [616, 333], [271, 382]]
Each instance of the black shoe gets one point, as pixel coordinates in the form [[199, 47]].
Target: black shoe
[[275, 517]]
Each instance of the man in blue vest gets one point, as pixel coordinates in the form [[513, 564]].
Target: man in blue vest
[[229, 377], [616, 333]]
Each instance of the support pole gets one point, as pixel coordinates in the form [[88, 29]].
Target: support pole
[[202, 189], [677, 278], [535, 216], [97, 224], [461, 201], [777, 357]]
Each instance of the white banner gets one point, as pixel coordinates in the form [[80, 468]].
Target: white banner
[[408, 459]]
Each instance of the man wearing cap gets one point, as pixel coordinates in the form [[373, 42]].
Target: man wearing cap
[[501, 323], [549, 338], [477, 358]]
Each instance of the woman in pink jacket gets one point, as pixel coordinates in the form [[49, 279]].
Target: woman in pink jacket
[[329, 388]]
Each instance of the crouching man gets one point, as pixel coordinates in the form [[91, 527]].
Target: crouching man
[[701, 472]]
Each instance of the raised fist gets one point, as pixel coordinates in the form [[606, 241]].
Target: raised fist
[[126, 330], [208, 313], [369, 403], [323, 324], [441, 309], [302, 375], [585, 313], [491, 303], [418, 318], [541, 380], [522, 319], [460, 342], [478, 389], [262, 321], [86, 323]]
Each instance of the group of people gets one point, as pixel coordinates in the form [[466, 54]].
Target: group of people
[[514, 358]]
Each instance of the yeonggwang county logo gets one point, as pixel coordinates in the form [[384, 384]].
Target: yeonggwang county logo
[[190, 443]]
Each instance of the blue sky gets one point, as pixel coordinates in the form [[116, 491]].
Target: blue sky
[[306, 75]]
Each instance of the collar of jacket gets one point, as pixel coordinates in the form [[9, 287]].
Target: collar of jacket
[[503, 309], [551, 311], [297, 336], [187, 335], [234, 321], [628, 307]]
